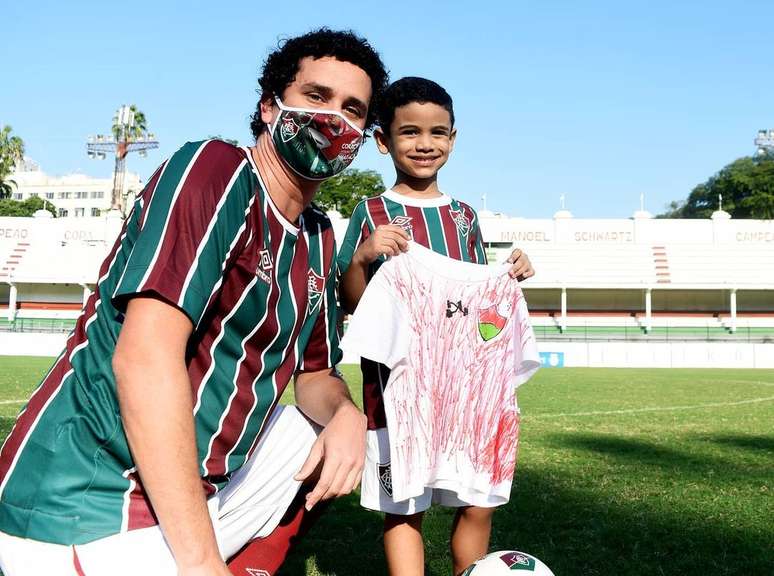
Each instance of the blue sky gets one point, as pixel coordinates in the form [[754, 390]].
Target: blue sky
[[599, 100]]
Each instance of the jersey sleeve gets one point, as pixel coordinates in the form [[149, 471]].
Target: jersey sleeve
[[322, 351], [378, 329], [357, 231], [477, 240], [189, 226]]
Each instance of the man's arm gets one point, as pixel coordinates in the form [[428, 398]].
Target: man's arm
[[156, 404], [387, 239], [323, 396]]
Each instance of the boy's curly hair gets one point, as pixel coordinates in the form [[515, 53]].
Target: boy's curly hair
[[407, 90], [281, 66]]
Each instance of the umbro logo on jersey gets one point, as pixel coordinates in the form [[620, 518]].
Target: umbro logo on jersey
[[263, 271], [462, 222], [405, 223], [315, 287], [257, 572], [385, 478], [453, 308]]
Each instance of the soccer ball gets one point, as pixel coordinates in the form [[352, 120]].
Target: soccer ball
[[507, 562]]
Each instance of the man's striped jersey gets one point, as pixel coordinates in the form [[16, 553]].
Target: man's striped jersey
[[204, 236], [446, 226]]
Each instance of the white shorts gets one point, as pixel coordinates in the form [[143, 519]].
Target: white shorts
[[376, 488], [250, 506]]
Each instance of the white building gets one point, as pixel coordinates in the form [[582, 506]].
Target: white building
[[74, 195]]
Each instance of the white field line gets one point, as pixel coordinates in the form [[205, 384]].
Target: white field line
[[5, 402], [649, 409]]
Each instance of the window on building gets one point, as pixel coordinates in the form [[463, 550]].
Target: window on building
[[17, 196], [81, 195], [95, 211], [97, 194], [64, 195], [34, 194], [80, 212], [62, 212], [49, 195]]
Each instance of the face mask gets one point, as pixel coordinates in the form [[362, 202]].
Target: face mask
[[316, 144]]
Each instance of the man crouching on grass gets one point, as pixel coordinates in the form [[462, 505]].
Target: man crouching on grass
[[153, 446]]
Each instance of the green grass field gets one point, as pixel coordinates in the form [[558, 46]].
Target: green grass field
[[621, 472]]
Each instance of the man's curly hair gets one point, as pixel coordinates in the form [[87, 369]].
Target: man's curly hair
[[281, 66]]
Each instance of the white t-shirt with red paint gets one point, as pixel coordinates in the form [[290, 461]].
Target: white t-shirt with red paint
[[458, 341]]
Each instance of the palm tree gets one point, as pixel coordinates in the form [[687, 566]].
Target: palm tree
[[11, 153], [136, 128]]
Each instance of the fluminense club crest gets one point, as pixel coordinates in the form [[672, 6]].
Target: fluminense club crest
[[462, 222], [315, 287], [291, 124], [385, 478], [490, 323], [518, 561]]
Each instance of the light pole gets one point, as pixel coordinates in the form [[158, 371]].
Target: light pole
[[765, 141], [128, 136]]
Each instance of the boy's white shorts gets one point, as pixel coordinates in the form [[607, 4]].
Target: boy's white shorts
[[376, 488], [250, 506]]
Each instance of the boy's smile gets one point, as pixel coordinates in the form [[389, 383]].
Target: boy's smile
[[420, 139]]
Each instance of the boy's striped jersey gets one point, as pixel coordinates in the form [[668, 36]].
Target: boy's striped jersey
[[442, 224]]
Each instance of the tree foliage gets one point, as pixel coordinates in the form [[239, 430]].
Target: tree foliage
[[11, 152], [28, 207], [137, 128], [747, 188], [344, 191]]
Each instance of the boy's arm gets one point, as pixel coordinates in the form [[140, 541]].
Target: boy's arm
[[387, 240]]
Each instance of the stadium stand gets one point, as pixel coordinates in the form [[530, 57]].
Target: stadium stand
[[625, 279]]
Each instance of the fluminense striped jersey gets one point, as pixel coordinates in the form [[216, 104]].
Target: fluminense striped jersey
[[206, 237], [446, 226]]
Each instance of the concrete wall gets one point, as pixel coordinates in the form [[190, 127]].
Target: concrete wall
[[657, 354]]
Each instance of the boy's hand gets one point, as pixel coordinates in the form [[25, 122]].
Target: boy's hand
[[522, 267], [387, 240]]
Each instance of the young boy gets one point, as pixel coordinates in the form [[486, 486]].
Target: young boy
[[416, 121]]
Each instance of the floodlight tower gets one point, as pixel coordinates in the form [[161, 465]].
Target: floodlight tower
[[128, 135], [765, 141]]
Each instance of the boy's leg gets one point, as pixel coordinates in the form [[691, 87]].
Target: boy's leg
[[470, 535], [403, 544]]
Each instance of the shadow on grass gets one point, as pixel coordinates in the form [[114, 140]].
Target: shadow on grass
[[685, 463], [579, 529], [752, 443]]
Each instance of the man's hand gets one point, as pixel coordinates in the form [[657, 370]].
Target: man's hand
[[341, 449], [387, 239], [522, 267]]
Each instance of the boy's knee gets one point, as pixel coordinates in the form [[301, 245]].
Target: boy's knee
[[476, 513], [396, 520]]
